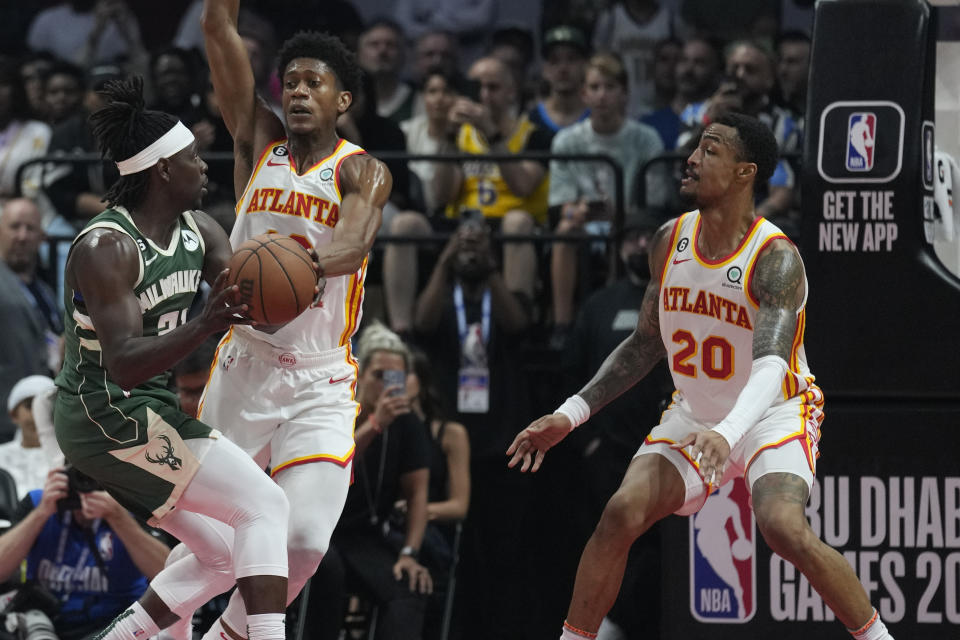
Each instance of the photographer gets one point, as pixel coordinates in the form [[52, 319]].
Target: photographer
[[80, 546]]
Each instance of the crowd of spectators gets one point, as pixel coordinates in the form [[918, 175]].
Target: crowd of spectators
[[485, 310]]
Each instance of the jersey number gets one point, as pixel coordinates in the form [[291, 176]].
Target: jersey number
[[716, 357], [170, 321], [486, 193]]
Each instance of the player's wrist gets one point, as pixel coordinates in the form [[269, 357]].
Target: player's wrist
[[374, 423], [576, 410]]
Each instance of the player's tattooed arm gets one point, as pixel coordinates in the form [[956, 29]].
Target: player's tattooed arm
[[636, 355], [778, 285]]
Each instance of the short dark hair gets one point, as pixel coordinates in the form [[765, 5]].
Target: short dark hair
[[791, 36], [757, 145], [324, 47], [64, 68], [383, 21]]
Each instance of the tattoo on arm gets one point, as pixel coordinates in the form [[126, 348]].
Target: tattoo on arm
[[779, 287], [785, 487], [633, 358]]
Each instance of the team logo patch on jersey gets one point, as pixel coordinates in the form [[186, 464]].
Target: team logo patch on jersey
[[165, 455], [861, 140], [287, 360], [326, 174], [723, 552], [190, 239]]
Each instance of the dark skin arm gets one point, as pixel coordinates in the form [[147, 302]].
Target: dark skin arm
[[778, 285], [104, 266], [413, 487], [250, 121], [365, 183], [624, 367]]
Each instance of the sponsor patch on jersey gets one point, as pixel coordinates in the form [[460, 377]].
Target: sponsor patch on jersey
[[326, 174], [723, 557], [190, 239]]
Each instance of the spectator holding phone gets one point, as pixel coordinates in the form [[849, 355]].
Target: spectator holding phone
[[584, 191], [390, 463], [82, 547]]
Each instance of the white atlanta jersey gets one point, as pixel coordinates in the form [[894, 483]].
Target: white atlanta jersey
[[305, 207], [707, 316]]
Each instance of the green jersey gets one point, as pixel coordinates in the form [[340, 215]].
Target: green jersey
[[102, 427]]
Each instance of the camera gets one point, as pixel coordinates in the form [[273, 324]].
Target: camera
[[77, 482], [32, 624]]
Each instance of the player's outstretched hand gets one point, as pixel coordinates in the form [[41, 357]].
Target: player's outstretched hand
[[709, 451], [223, 307], [532, 443]]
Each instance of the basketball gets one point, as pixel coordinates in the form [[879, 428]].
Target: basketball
[[741, 549], [276, 277]]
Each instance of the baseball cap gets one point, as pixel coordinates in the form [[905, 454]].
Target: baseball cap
[[568, 35], [28, 388]]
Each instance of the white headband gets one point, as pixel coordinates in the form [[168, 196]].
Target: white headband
[[165, 146]]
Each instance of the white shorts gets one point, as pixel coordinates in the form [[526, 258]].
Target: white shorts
[[784, 440], [302, 406]]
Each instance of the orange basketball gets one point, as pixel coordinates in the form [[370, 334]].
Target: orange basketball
[[276, 277]]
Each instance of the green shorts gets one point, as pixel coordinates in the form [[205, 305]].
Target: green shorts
[[134, 447]]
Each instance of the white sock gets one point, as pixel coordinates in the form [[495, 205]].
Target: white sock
[[874, 629], [132, 624], [266, 626], [573, 633]]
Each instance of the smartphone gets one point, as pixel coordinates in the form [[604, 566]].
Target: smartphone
[[396, 378]]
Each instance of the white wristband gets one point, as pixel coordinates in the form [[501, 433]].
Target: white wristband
[[576, 410]]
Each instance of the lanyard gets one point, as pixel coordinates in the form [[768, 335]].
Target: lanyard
[[462, 314]]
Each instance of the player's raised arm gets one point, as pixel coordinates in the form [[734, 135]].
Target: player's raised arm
[[624, 367], [249, 121], [365, 183]]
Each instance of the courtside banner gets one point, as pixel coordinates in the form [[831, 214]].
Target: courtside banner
[[891, 509], [723, 553]]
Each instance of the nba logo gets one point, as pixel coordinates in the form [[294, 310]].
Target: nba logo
[[723, 557], [861, 140]]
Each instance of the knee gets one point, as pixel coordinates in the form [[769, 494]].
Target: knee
[[625, 517], [786, 531], [517, 222], [307, 543], [409, 223], [269, 501]]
